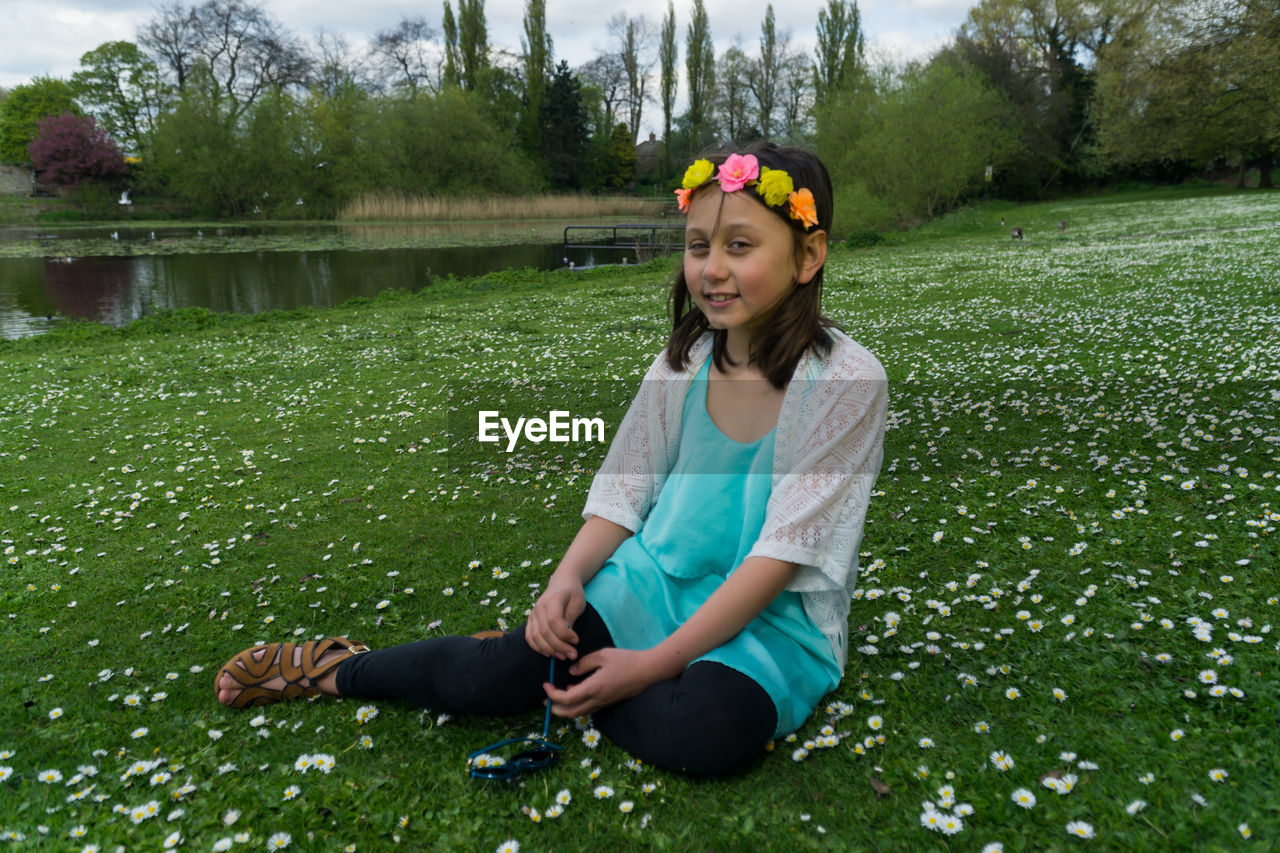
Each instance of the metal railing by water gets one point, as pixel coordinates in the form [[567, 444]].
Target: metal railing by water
[[643, 241]]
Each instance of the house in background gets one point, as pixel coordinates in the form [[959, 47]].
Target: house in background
[[648, 157]]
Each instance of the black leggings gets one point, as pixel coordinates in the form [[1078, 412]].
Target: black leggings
[[710, 720]]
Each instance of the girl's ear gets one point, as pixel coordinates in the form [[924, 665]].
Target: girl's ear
[[813, 254]]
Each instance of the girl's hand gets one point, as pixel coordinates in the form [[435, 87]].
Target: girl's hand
[[616, 674], [550, 628]]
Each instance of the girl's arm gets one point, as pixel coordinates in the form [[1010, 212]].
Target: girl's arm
[[742, 597], [549, 630], [619, 674]]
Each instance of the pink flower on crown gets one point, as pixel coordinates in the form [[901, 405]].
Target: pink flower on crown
[[737, 171]]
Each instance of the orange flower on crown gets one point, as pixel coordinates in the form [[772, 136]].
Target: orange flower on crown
[[682, 198], [803, 208]]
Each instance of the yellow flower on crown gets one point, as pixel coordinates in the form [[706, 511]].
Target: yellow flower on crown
[[774, 186], [698, 174]]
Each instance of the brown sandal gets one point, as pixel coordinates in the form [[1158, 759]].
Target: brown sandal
[[252, 668]]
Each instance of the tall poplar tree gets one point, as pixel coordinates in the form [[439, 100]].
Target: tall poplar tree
[[537, 65], [764, 80], [473, 42], [452, 54], [840, 47], [733, 101], [700, 64], [667, 55]]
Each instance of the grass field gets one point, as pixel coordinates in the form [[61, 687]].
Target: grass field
[[1064, 629]]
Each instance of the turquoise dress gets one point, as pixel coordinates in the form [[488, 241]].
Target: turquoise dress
[[706, 520]]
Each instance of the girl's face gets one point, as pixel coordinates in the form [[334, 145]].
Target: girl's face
[[741, 261]]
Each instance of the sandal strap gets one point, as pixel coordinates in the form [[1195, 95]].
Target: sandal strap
[[276, 661]]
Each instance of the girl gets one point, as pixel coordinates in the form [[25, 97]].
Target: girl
[[702, 608]]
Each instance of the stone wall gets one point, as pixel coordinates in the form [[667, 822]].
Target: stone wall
[[14, 181]]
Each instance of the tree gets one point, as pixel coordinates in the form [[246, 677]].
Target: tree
[[795, 94], [667, 56], [1194, 82], [733, 101], [443, 144], [608, 76], [404, 52], [763, 80], [500, 93], [1012, 71], [337, 133], [123, 89], [194, 153], [473, 43], [618, 166], [276, 158], [244, 50], [172, 36], [21, 111], [537, 65], [840, 47], [634, 39], [1052, 45], [452, 52], [907, 146], [564, 130], [69, 150], [700, 78], [337, 69]]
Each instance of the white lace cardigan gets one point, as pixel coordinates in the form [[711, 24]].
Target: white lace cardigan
[[828, 449]]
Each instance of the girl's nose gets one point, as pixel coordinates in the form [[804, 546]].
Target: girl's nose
[[715, 268]]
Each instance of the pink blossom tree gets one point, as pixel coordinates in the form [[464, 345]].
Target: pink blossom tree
[[69, 150]]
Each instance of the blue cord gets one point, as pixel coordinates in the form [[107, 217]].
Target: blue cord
[[546, 719]]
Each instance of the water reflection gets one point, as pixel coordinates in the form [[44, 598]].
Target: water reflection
[[88, 288], [35, 292], [341, 235]]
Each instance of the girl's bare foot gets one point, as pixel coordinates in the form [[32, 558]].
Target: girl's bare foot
[[265, 674]]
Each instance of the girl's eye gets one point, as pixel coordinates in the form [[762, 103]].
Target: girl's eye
[[695, 246], [739, 244]]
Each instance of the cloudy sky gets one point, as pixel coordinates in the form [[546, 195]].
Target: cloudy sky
[[47, 37]]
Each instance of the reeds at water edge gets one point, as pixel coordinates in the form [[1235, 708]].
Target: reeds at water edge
[[399, 207]]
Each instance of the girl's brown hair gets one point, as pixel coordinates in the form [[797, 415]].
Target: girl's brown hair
[[797, 323]]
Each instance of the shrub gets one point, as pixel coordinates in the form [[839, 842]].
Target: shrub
[[69, 150], [861, 238]]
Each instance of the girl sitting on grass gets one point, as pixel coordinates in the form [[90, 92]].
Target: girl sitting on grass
[[702, 608]]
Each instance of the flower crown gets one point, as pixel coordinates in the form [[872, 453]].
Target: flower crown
[[744, 170]]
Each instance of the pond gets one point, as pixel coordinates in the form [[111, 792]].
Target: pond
[[114, 275]]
